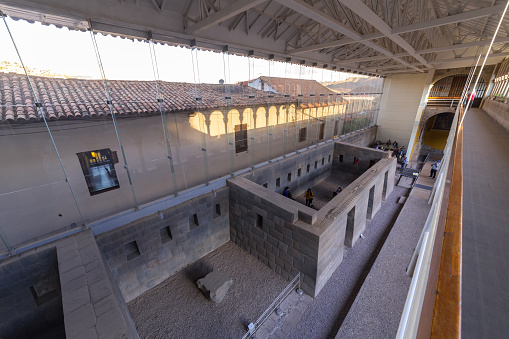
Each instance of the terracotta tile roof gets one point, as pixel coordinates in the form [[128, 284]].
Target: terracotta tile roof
[[296, 87], [80, 98]]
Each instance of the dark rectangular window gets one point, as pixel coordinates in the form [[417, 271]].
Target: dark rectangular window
[[323, 161], [194, 221], [303, 134], [218, 209], [131, 250], [307, 168], [322, 130], [341, 158], [265, 185], [165, 234], [289, 178], [299, 172], [316, 164], [99, 170], [241, 138], [278, 182], [259, 221], [329, 157]]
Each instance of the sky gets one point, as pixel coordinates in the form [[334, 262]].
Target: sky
[[71, 53]]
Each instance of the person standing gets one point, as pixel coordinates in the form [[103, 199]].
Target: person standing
[[401, 152], [404, 161], [434, 169], [309, 197], [395, 152], [286, 191], [337, 191]]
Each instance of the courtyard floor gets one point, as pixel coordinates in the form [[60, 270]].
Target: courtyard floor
[[322, 192], [177, 308]]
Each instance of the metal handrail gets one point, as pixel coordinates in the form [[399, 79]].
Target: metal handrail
[[409, 323], [280, 298], [450, 102]]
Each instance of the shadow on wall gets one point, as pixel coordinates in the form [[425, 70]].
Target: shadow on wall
[[30, 297]]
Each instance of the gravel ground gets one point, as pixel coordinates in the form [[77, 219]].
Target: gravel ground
[[176, 308], [326, 313]]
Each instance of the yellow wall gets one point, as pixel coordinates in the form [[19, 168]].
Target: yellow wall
[[436, 138]]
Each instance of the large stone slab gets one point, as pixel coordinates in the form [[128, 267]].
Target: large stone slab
[[215, 285]]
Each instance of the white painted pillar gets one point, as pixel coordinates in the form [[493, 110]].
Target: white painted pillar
[[420, 109]]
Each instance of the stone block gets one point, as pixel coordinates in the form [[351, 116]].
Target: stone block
[[74, 284], [72, 274], [88, 334], [79, 321], [283, 247], [104, 305], [215, 285], [111, 324], [100, 290], [96, 275], [75, 299], [73, 262]]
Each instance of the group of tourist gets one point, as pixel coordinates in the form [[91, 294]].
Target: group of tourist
[[396, 151], [308, 195], [386, 146]]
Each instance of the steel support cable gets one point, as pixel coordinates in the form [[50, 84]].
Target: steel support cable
[[316, 108], [227, 98], [300, 102], [160, 102], [112, 113], [268, 118], [471, 75], [38, 106], [286, 114], [201, 117], [460, 110], [254, 124], [330, 100], [487, 53]]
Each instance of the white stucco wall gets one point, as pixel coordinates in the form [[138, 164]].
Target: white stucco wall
[[36, 199], [257, 84], [400, 106]]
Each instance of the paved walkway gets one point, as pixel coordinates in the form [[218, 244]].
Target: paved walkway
[[485, 299]]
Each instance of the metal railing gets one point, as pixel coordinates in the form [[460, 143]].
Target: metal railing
[[253, 327], [409, 323], [443, 101]]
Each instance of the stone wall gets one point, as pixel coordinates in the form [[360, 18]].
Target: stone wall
[[270, 227], [346, 153], [498, 111], [290, 237], [343, 219], [146, 252], [303, 169], [365, 137], [22, 313], [86, 298]]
